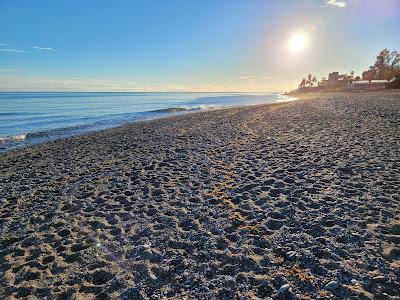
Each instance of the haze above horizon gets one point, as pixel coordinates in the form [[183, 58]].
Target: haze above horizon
[[188, 46]]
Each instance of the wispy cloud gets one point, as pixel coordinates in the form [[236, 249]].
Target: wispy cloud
[[340, 4], [11, 50], [43, 48], [1, 44], [38, 83], [255, 77], [33, 83], [7, 70]]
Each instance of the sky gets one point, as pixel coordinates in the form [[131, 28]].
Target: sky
[[180, 45]]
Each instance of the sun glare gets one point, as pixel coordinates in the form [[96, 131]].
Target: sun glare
[[297, 43]]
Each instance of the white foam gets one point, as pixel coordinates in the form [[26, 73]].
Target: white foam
[[13, 138]]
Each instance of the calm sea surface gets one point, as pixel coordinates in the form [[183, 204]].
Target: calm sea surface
[[31, 118]]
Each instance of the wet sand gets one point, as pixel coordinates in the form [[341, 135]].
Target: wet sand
[[297, 200]]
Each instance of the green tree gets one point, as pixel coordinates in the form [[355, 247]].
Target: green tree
[[394, 65], [381, 63], [370, 74], [388, 75], [394, 59]]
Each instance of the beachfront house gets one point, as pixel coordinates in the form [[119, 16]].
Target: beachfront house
[[370, 85], [336, 80]]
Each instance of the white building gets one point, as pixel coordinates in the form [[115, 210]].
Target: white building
[[370, 85]]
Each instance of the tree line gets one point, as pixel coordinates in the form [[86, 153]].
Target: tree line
[[386, 66], [310, 81]]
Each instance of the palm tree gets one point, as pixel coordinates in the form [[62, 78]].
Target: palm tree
[[309, 80], [314, 80], [302, 84], [351, 77]]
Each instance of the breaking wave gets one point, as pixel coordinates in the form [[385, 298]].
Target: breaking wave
[[44, 119], [183, 108], [13, 138]]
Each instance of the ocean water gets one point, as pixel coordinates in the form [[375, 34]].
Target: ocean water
[[31, 118]]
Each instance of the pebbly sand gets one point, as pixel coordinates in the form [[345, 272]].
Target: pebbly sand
[[297, 200]]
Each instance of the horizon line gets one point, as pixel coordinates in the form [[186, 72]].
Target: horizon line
[[175, 92]]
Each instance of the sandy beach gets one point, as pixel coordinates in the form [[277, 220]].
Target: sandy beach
[[297, 200]]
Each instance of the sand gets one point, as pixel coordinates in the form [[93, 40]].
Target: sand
[[297, 200]]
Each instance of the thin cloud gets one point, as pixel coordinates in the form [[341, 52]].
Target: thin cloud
[[43, 48], [340, 4], [12, 50], [7, 70], [32, 83], [1, 44], [255, 77]]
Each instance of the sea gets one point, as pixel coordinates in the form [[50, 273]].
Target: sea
[[37, 117]]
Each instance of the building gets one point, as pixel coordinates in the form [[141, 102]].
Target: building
[[336, 80], [370, 85]]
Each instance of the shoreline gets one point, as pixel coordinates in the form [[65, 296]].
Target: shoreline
[[292, 198], [19, 141]]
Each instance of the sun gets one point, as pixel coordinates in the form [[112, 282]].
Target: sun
[[297, 43]]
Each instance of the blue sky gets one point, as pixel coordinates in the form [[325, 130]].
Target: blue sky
[[199, 45]]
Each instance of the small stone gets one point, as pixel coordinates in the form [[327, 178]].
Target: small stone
[[153, 277], [147, 254], [227, 252], [274, 224], [332, 285], [354, 281], [101, 277], [345, 169], [291, 255], [229, 279], [133, 293], [284, 288], [379, 279]]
